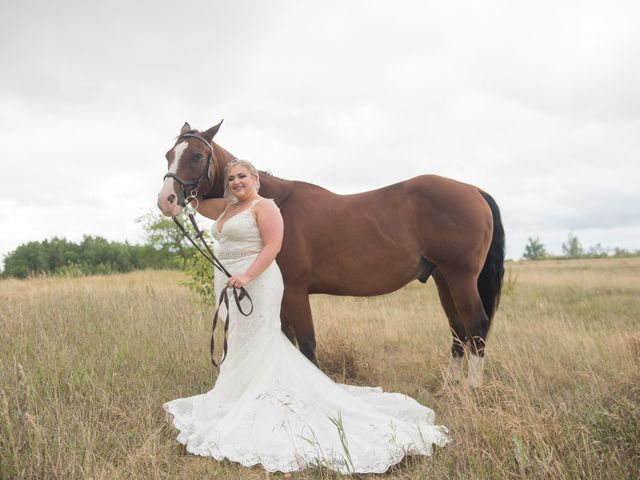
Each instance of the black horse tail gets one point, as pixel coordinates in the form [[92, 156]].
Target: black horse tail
[[490, 279]]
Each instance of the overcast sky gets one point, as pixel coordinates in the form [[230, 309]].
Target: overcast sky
[[535, 102]]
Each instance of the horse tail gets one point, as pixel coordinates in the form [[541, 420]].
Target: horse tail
[[490, 279]]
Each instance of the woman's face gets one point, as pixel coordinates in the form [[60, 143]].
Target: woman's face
[[241, 183]]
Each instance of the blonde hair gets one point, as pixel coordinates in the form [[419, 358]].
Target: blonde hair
[[243, 163]]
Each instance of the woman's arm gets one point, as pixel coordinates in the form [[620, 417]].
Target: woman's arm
[[212, 207], [271, 229]]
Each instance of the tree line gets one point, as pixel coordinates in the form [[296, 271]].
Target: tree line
[[93, 255], [572, 248], [163, 248]]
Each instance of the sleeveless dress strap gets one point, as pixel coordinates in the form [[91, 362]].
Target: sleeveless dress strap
[[253, 204], [223, 212]]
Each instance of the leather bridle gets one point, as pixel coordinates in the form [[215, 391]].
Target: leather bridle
[[192, 194], [208, 254]]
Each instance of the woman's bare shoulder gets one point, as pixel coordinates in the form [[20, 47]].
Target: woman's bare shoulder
[[266, 206], [270, 222]]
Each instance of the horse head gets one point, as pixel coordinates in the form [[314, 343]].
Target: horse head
[[191, 163]]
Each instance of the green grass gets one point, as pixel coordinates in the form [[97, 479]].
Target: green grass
[[86, 364]]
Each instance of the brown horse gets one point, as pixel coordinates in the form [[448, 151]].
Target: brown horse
[[369, 243]]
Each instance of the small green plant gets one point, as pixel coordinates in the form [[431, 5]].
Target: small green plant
[[572, 248], [534, 250], [200, 281], [70, 270], [163, 234], [598, 251], [337, 421]]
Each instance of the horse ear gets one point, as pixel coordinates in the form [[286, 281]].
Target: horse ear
[[185, 128], [209, 134]]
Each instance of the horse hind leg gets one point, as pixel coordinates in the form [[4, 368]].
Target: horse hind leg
[[453, 374], [286, 324], [287, 329], [297, 311], [465, 295]]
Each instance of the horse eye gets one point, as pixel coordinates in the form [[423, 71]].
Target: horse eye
[[197, 156]]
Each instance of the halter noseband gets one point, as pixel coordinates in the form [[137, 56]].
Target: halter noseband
[[185, 184]]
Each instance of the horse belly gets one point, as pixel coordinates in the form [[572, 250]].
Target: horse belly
[[366, 272]]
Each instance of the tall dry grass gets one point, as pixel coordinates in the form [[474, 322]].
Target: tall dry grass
[[86, 364]]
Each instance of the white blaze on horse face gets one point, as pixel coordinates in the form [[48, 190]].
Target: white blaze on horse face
[[178, 150], [171, 208], [476, 365]]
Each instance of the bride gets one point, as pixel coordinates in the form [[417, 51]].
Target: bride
[[270, 405]]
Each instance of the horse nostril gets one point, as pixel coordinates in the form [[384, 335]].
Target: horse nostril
[[171, 198]]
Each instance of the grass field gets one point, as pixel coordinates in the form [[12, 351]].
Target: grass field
[[86, 364]]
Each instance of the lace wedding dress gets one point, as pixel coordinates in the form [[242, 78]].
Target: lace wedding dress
[[271, 406]]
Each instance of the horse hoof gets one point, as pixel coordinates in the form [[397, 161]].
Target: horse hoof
[[446, 390], [473, 384]]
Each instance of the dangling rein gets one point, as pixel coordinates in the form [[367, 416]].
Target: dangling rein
[[224, 295]]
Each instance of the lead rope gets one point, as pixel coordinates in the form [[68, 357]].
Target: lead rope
[[224, 295]]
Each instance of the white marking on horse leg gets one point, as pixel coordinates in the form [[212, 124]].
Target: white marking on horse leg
[[454, 370], [476, 365], [452, 376]]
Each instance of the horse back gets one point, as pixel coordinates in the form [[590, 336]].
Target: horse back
[[334, 242]]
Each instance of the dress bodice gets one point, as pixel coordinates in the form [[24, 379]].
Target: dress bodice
[[240, 235]]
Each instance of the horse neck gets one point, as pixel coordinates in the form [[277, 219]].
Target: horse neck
[[270, 187], [275, 188]]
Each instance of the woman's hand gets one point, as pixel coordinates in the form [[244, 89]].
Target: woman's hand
[[238, 281]]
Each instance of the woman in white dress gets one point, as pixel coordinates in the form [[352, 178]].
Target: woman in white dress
[[270, 405]]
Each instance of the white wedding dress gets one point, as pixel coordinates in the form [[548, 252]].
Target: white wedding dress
[[271, 406]]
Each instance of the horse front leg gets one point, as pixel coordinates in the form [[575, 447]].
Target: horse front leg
[[297, 314]]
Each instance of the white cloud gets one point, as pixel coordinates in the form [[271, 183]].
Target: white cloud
[[535, 102]]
